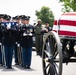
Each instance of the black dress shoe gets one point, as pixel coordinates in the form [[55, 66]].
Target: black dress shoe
[[24, 67], [21, 65], [1, 64], [8, 67], [28, 67], [37, 54], [17, 64]]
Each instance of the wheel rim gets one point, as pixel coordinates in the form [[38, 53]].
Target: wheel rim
[[52, 55]]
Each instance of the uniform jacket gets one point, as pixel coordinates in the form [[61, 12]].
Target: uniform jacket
[[38, 29], [44, 30], [1, 32], [26, 33], [9, 36], [17, 37]]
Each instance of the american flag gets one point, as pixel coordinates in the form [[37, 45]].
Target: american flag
[[66, 25]]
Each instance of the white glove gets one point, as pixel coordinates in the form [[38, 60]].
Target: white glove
[[30, 34], [24, 34], [18, 45], [8, 26], [0, 43]]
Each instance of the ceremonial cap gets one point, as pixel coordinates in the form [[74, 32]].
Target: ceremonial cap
[[25, 17]]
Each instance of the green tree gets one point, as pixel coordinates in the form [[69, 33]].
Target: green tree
[[45, 14], [68, 5]]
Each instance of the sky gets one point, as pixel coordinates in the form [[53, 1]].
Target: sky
[[28, 7]]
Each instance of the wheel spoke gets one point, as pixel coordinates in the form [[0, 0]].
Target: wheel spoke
[[47, 53], [48, 73], [51, 70], [46, 66], [54, 67]]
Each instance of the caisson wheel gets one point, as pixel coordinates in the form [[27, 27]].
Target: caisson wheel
[[52, 54]]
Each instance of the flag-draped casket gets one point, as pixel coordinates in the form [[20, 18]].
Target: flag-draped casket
[[66, 25]]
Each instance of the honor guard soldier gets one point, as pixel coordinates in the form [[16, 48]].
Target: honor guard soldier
[[17, 45], [38, 30], [1, 19], [26, 41], [8, 41], [13, 19]]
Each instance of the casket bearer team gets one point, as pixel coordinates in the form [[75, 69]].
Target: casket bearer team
[[8, 42], [26, 41]]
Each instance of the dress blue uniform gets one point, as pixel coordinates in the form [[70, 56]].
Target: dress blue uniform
[[16, 51], [26, 43], [0, 44], [1, 16], [9, 42]]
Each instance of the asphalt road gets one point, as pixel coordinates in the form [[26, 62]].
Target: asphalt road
[[36, 68], [69, 69]]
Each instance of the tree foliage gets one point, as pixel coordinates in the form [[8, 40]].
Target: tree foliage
[[45, 14], [69, 5]]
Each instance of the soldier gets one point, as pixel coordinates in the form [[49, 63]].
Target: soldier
[[1, 19], [47, 28], [16, 50], [13, 19], [26, 42], [38, 30], [8, 42]]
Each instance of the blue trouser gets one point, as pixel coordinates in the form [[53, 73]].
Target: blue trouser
[[0, 55], [8, 55], [26, 56], [16, 54]]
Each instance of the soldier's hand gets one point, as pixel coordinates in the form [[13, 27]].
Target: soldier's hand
[[8, 28]]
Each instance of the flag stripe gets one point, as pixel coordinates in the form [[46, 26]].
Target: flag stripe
[[67, 33], [65, 22], [64, 17], [65, 28], [70, 13]]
